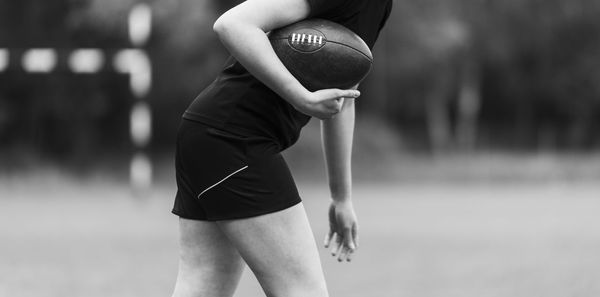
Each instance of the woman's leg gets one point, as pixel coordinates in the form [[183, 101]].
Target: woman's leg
[[281, 251], [209, 265]]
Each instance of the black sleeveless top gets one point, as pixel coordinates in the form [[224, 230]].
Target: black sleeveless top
[[239, 103]]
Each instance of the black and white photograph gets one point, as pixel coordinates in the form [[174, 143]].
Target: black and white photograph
[[300, 148]]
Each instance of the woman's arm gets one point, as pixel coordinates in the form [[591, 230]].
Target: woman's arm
[[243, 29], [337, 136]]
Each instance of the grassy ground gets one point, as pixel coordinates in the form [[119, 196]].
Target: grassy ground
[[60, 236]]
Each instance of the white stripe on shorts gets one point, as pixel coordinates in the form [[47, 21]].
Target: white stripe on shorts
[[224, 179]]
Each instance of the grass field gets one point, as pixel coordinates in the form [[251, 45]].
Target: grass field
[[60, 236]]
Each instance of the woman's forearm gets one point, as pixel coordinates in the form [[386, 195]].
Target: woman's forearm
[[337, 134], [246, 40]]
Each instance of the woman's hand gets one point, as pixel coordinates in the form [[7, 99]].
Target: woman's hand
[[324, 104], [343, 230]]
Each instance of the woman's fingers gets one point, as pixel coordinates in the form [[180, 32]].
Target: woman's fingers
[[349, 255], [355, 235], [348, 239], [335, 100], [346, 254], [333, 106], [343, 246], [337, 245], [339, 103], [348, 94], [329, 102], [328, 237], [331, 242], [347, 247], [340, 251], [329, 94]]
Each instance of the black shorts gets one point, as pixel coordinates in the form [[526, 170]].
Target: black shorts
[[224, 176]]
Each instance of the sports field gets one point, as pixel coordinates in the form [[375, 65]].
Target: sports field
[[60, 236]]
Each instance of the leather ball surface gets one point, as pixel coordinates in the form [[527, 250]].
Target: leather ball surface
[[322, 54]]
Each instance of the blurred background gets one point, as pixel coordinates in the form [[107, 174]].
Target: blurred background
[[476, 154]]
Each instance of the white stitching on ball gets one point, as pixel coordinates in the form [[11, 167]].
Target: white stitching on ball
[[308, 39]]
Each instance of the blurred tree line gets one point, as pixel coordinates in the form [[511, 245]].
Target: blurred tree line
[[449, 74]]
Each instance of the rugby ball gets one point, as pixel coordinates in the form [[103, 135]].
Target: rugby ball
[[322, 54]]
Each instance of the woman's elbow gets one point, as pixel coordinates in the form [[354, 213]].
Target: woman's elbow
[[220, 25], [225, 22], [227, 26], [230, 23]]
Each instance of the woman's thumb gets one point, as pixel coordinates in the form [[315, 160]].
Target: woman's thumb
[[329, 94], [349, 240], [349, 93]]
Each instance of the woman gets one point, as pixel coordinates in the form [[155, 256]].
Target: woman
[[236, 199]]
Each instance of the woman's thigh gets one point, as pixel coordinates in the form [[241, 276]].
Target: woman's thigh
[[209, 264], [281, 251]]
